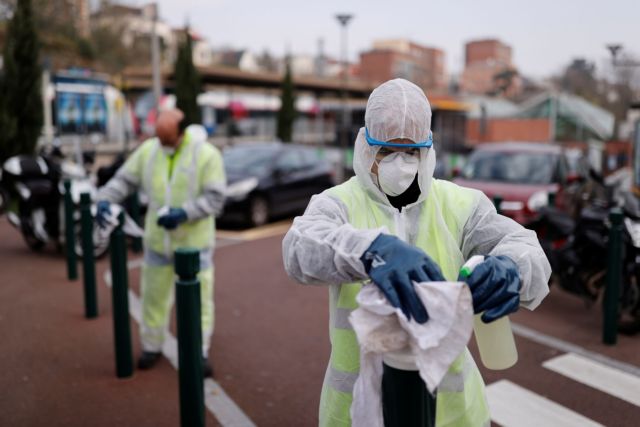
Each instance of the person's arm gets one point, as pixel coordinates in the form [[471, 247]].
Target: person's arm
[[321, 247], [213, 184], [126, 181], [488, 233]]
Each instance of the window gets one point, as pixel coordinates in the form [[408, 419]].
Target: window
[[523, 168], [309, 158], [290, 161]]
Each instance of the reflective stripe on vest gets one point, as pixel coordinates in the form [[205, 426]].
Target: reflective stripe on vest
[[461, 400]]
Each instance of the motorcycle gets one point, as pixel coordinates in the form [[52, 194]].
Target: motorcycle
[[105, 173], [577, 251], [32, 193]]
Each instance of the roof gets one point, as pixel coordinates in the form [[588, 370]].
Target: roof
[[494, 107], [520, 147], [575, 109]]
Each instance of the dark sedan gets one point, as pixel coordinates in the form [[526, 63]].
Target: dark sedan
[[269, 180]]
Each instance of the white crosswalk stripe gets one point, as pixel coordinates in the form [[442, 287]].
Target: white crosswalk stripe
[[594, 374], [515, 406]]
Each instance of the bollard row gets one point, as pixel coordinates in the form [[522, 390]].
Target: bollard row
[[187, 266]]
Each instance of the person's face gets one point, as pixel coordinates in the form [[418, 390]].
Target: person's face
[[168, 136], [167, 128], [385, 151]]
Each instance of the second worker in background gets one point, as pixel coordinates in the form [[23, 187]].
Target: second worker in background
[[184, 178]]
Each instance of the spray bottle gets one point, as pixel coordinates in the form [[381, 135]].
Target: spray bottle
[[495, 340]]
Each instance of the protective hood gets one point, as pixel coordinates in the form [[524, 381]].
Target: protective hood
[[196, 132], [395, 109]]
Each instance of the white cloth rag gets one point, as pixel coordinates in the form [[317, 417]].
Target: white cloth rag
[[381, 328], [130, 227]]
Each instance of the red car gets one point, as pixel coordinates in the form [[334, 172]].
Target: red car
[[523, 174]]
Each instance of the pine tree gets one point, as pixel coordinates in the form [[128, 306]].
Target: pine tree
[[188, 84], [21, 112], [287, 113]]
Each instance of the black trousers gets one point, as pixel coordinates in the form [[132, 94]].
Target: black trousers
[[406, 402]]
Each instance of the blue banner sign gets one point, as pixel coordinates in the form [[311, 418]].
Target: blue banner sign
[[80, 104]]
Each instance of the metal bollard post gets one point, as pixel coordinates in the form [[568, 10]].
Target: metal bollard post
[[135, 215], [88, 261], [187, 265], [551, 198], [614, 278], [70, 241], [406, 402], [497, 202], [120, 301]]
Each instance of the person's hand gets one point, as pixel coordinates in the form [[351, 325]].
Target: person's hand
[[172, 219], [393, 266], [495, 287], [103, 210]]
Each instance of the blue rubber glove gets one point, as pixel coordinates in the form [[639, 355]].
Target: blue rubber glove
[[495, 287], [103, 210], [393, 266], [173, 218]]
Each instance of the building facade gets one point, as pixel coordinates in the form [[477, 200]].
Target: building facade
[[400, 58], [489, 69]]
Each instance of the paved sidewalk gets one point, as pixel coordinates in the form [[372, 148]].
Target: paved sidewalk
[[58, 367], [270, 349]]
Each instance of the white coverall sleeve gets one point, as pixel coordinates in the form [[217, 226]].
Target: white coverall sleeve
[[321, 247], [125, 182], [213, 183], [487, 233]]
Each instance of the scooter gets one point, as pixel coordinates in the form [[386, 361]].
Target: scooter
[[32, 193], [577, 251]]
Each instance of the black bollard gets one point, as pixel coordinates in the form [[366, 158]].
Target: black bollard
[[614, 278], [120, 301], [135, 215], [70, 241], [88, 260], [497, 202], [187, 265], [551, 199], [406, 402]]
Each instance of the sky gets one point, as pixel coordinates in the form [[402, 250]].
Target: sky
[[544, 34]]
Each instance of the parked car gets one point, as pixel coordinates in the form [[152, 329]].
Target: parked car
[[269, 180], [523, 174]]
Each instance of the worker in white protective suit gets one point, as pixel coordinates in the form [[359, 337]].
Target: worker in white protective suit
[[394, 224], [183, 176]]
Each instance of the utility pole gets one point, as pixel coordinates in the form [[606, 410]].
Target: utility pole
[[155, 57], [344, 20], [616, 63]]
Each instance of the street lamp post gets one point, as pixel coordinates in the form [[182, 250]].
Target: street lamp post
[[344, 20], [618, 63], [155, 58]]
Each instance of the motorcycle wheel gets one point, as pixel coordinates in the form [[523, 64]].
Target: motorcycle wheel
[[629, 321], [4, 200], [32, 241], [100, 249]]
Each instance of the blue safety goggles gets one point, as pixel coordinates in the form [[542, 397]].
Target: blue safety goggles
[[424, 144]]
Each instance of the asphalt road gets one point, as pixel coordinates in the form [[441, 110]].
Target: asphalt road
[[269, 351]]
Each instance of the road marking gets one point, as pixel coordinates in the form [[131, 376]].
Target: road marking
[[567, 347], [216, 400], [512, 405], [594, 374], [268, 230]]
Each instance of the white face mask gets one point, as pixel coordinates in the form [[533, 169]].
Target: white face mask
[[396, 172], [169, 151]]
